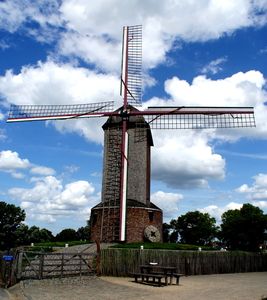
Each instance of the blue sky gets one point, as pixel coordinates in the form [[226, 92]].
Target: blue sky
[[195, 53]]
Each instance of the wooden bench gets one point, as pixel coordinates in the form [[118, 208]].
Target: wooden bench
[[154, 276], [175, 275]]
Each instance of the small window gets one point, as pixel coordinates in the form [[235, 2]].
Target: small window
[[151, 216], [94, 219]]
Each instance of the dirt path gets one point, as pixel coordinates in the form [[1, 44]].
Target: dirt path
[[245, 286]]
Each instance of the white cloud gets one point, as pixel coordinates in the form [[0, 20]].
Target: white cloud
[[72, 168], [42, 170], [18, 175], [257, 192], [49, 200], [163, 23], [260, 204], [93, 31], [168, 202], [76, 193], [96, 174], [47, 219], [241, 89], [10, 160], [3, 135], [15, 15], [50, 83], [213, 67], [185, 160], [217, 211]]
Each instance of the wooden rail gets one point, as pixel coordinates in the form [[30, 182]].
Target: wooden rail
[[43, 265]]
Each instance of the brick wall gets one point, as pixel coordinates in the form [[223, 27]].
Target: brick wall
[[138, 219]]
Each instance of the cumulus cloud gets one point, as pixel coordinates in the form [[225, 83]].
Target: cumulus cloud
[[213, 67], [163, 22], [42, 170], [217, 211], [72, 168], [16, 15], [50, 198], [10, 161], [241, 89], [168, 202], [93, 32], [52, 83], [18, 175], [257, 192], [189, 162]]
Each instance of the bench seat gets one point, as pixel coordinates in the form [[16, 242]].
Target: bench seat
[[146, 276], [175, 275]]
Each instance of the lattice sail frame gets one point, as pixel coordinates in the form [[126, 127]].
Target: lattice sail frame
[[131, 67], [20, 113], [200, 117]]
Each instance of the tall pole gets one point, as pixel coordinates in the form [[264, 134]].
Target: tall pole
[[124, 166]]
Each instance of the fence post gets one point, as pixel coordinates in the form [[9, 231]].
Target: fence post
[[98, 268], [62, 264], [41, 266], [14, 268]]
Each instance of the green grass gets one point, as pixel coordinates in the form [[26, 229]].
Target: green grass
[[166, 246], [46, 249], [62, 244]]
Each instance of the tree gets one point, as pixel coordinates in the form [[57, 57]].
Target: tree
[[66, 235], [166, 232], [83, 233], [195, 228], [11, 217], [244, 229], [25, 235]]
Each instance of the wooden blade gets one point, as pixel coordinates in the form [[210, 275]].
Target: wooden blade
[[20, 113]]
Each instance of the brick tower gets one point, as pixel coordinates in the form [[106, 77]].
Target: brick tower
[[143, 218]]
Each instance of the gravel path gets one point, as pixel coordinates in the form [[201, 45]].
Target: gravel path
[[242, 286], [245, 286]]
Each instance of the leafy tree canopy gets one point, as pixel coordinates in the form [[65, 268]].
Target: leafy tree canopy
[[66, 235], [83, 233], [244, 229], [195, 228], [25, 235], [11, 217]]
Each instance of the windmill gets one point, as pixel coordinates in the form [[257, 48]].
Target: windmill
[[125, 208]]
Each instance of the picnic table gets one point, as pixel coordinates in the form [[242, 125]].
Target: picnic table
[[157, 272]]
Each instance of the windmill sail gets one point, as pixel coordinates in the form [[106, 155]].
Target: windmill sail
[[131, 67], [20, 113], [199, 117]]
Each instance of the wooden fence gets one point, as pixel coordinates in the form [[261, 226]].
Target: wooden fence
[[119, 262], [39, 265]]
